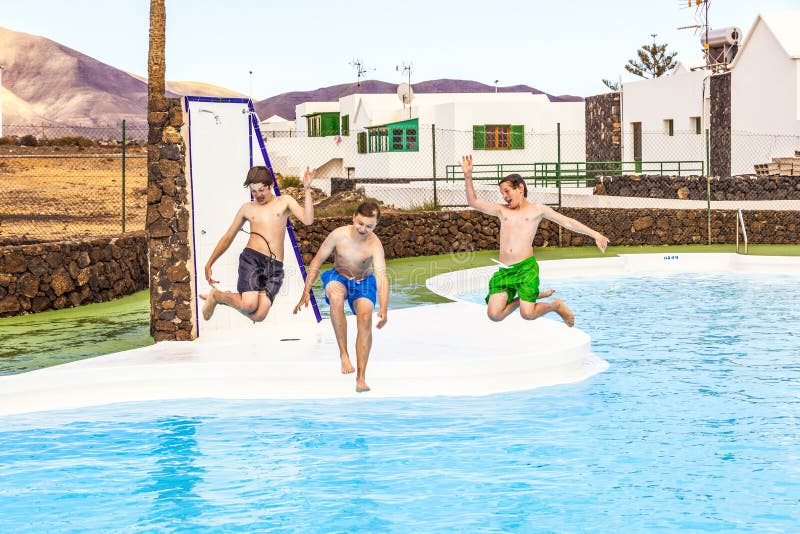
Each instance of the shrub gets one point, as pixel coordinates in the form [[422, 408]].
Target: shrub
[[28, 140], [9, 140], [289, 181], [425, 206]]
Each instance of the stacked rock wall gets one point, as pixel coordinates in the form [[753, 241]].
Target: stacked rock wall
[[695, 187], [52, 276], [603, 128], [171, 302]]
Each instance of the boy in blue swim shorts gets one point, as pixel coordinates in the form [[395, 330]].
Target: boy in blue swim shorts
[[358, 277]]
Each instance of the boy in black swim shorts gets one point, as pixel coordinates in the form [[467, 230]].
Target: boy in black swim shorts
[[261, 262]]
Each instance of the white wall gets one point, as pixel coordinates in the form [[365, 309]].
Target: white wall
[[765, 101], [679, 96], [454, 116]]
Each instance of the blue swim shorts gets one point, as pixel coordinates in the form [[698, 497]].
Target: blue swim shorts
[[366, 288]]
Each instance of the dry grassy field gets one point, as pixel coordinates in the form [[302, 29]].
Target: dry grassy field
[[48, 194]]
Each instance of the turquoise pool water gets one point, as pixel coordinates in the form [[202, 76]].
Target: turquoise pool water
[[694, 427]]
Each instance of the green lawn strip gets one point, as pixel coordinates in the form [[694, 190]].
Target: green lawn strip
[[43, 339]]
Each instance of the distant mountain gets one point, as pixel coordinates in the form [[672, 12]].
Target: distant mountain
[[284, 104], [46, 83]]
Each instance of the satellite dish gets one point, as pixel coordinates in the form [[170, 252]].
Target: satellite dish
[[405, 93]]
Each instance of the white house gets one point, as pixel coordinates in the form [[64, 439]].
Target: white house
[[377, 136], [666, 118], [765, 92]]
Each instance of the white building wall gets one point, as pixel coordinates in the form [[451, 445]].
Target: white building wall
[[765, 102], [454, 116], [679, 96]]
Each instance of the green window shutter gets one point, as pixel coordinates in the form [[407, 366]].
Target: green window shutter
[[517, 136], [329, 124], [345, 125], [478, 137], [362, 142]]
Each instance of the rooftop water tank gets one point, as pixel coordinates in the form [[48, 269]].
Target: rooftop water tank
[[722, 36]]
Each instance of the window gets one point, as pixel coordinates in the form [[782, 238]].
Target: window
[[696, 124], [669, 127], [498, 136], [395, 137], [345, 125], [362, 142], [378, 139], [323, 124], [313, 123]]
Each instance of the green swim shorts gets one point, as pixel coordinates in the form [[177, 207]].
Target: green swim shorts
[[522, 278]]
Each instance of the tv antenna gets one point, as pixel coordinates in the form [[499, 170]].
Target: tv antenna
[[701, 22], [361, 70], [404, 91]]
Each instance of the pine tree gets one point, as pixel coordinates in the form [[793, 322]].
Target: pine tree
[[654, 61]]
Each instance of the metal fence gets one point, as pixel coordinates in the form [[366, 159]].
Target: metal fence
[[78, 182], [71, 182]]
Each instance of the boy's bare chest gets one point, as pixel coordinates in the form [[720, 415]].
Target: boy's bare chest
[[357, 255], [518, 222], [265, 215]]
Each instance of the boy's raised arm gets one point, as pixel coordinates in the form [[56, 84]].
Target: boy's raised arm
[[305, 214], [472, 198]]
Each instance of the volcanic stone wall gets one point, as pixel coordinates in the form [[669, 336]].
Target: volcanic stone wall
[[431, 233], [720, 131], [603, 128], [171, 302], [695, 187], [52, 276]]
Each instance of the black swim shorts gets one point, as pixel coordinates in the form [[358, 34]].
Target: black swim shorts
[[259, 272]]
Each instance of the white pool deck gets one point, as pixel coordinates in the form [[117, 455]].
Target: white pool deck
[[447, 349]]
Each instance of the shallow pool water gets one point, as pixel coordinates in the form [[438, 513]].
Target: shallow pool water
[[694, 427]]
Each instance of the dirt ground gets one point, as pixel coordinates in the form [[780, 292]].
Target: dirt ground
[[59, 193], [48, 194]]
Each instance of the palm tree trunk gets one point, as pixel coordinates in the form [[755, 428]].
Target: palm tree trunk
[[155, 58]]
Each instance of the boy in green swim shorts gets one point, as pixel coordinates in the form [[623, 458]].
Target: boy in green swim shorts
[[516, 283]]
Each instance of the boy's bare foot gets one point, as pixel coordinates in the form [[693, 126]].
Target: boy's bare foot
[[211, 303], [361, 386], [565, 313], [546, 293], [347, 367]]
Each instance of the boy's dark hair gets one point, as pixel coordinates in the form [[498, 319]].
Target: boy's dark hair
[[369, 209], [259, 175], [515, 180]]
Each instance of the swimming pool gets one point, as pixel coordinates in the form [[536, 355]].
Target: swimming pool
[[693, 427]]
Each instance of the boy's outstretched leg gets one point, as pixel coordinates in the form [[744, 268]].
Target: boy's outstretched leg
[[530, 310]]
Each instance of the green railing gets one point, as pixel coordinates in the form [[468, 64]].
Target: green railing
[[574, 173]]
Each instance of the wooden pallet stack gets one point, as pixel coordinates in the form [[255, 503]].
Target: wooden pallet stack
[[780, 166]]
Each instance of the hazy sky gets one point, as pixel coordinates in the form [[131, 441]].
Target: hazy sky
[[560, 47]]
